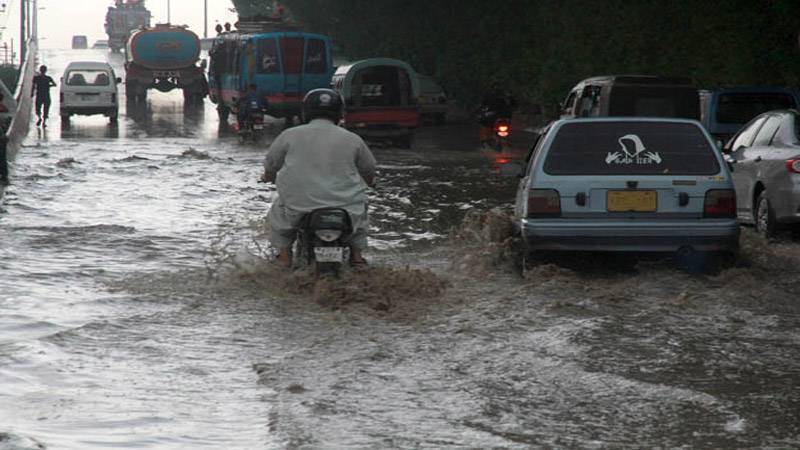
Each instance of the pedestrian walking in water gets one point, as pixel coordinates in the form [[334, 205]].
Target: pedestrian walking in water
[[41, 88]]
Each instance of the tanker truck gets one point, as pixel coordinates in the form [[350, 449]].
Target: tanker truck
[[164, 57], [123, 18]]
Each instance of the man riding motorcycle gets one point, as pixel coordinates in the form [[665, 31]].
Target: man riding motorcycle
[[319, 165], [495, 106], [249, 104]]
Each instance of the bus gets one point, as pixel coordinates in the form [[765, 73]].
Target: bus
[[285, 65]]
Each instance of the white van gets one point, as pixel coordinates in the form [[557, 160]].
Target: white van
[[89, 88]]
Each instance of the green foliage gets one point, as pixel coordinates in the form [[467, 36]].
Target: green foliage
[[9, 75], [540, 48]]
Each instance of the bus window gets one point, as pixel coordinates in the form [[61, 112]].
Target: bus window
[[268, 56], [292, 52], [316, 56]]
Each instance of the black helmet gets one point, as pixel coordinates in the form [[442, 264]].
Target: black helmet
[[325, 103]]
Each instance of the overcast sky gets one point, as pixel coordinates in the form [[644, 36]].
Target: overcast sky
[[59, 20]]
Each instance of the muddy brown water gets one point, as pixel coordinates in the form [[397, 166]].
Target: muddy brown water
[[137, 310]]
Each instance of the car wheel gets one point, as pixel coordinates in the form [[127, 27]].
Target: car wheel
[[765, 223]]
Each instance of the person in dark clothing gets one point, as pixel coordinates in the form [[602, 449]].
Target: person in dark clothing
[[496, 105], [41, 88], [250, 103]]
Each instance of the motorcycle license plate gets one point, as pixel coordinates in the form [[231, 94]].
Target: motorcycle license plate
[[329, 254], [258, 126]]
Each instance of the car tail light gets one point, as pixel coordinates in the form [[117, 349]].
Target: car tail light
[[793, 165], [544, 203], [720, 203]]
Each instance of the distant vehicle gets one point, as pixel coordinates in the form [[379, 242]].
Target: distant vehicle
[[123, 19], [432, 100], [80, 42], [102, 44], [381, 95], [766, 162], [285, 65], [627, 185], [724, 111], [164, 57], [89, 88], [633, 96]]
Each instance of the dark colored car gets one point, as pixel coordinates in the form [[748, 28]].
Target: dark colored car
[[724, 111], [765, 156], [633, 96]]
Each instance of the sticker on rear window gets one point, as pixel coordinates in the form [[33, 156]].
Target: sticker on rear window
[[633, 152]]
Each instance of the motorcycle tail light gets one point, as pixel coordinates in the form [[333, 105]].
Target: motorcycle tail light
[[720, 204], [544, 203], [793, 165], [328, 235], [503, 129]]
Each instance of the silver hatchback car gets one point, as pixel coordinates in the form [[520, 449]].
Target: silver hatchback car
[[627, 185]]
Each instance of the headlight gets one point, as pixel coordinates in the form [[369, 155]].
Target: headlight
[[328, 235]]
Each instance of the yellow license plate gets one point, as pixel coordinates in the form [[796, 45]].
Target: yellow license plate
[[632, 201]]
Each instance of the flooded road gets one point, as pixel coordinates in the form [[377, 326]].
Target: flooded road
[[137, 311]]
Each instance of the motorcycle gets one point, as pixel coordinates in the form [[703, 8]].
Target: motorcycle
[[501, 134], [252, 127], [495, 129], [321, 240]]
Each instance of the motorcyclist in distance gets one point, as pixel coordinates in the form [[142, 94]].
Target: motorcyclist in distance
[[319, 165], [495, 105], [250, 103]]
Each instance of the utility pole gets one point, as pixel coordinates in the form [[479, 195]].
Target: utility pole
[[35, 21], [205, 19], [22, 32], [169, 11]]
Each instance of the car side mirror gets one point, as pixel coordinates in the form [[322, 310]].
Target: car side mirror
[[512, 169], [119, 80]]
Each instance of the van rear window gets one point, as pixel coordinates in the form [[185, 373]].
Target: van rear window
[[631, 148], [654, 101], [740, 108]]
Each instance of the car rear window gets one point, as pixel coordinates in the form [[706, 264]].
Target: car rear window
[[630, 148], [88, 77], [740, 108]]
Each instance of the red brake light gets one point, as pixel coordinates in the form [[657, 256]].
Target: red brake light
[[720, 203], [793, 165], [544, 203]]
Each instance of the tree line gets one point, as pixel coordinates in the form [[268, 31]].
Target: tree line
[[538, 49]]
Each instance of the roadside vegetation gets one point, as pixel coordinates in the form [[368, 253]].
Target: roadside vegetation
[[538, 49], [9, 75]]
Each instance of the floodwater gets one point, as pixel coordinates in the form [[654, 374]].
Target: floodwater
[[137, 310]]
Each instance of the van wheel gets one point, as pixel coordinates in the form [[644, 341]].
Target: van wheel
[[765, 223]]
